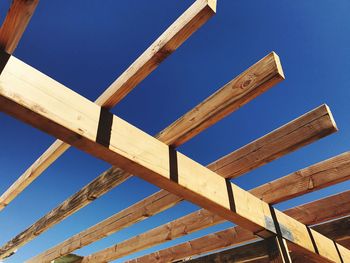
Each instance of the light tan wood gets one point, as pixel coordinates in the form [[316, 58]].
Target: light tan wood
[[112, 177], [15, 23], [258, 251], [169, 41], [327, 166], [309, 214], [312, 125], [254, 81], [57, 110], [320, 175]]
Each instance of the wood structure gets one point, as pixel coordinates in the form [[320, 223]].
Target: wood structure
[[263, 234]]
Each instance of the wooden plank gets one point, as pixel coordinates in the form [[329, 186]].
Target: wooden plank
[[193, 18], [320, 175], [71, 258], [42, 102], [258, 251], [15, 23], [277, 250], [273, 145], [268, 66], [310, 214], [339, 163], [229, 98]]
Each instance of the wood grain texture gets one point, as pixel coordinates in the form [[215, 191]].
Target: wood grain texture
[[258, 251], [15, 23], [57, 110], [280, 195], [320, 175], [309, 214], [254, 81], [193, 18], [273, 64], [293, 135], [168, 42]]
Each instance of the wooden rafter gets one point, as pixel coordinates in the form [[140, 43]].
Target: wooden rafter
[[47, 105], [193, 18], [194, 222], [309, 214], [15, 23], [267, 70], [258, 251], [202, 218]]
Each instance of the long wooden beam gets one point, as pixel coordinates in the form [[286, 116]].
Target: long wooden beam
[[40, 101], [192, 19], [310, 214], [258, 251], [267, 70], [15, 23], [320, 172]]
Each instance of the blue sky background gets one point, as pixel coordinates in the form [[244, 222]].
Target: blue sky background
[[87, 44]]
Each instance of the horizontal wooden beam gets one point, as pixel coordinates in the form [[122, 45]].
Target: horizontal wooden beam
[[192, 19], [258, 251], [203, 219], [15, 23], [40, 101], [309, 214], [268, 66]]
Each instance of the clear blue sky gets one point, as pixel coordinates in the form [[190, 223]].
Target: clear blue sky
[[87, 44]]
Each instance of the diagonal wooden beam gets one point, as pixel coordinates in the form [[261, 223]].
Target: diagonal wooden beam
[[310, 214], [192, 19], [320, 172], [258, 251], [15, 23], [267, 70], [36, 99]]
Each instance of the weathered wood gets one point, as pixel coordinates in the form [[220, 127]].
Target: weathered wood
[[15, 23], [268, 66], [57, 110], [309, 214], [277, 250], [320, 172], [169, 41], [256, 80], [71, 258]]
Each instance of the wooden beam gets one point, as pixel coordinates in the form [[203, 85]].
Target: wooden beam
[[310, 179], [339, 163], [285, 139], [229, 98], [40, 101], [258, 251], [268, 70], [309, 214], [192, 19], [15, 23], [277, 250]]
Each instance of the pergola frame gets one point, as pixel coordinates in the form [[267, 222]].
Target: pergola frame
[[34, 98]]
